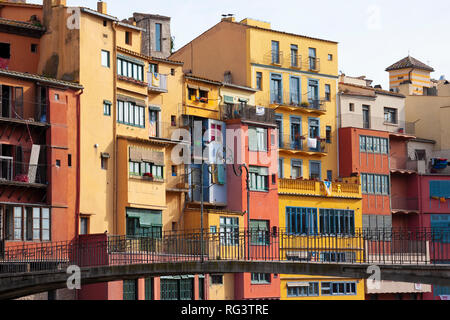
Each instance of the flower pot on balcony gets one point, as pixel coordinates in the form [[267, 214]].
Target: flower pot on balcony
[[148, 176], [305, 104]]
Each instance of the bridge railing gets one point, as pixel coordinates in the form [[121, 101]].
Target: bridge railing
[[422, 246]]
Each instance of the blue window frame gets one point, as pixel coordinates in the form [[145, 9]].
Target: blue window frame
[[281, 168], [275, 52], [276, 88], [301, 221], [338, 288], [335, 221], [315, 170], [303, 289], [313, 93], [158, 36], [440, 189], [261, 278], [375, 184], [295, 97], [279, 121], [314, 132], [296, 133]]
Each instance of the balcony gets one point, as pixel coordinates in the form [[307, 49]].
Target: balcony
[[274, 57], [247, 113], [179, 183], [157, 82], [301, 144], [296, 61], [404, 204], [403, 164], [165, 130], [313, 64], [348, 188], [293, 100], [396, 128], [17, 173]]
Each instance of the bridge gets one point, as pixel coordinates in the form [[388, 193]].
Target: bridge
[[419, 257]]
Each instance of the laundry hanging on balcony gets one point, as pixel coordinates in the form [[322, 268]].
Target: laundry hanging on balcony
[[155, 79], [327, 185], [312, 143], [260, 110]]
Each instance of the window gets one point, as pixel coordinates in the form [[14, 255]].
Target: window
[[149, 283], [259, 230], [158, 36], [259, 178], [5, 50], [328, 134], [295, 91], [129, 69], [144, 223], [259, 80], [146, 169], [261, 278], [303, 289], [390, 115], [294, 55], [373, 144], [130, 114], [106, 108], [229, 231], [338, 288], [330, 57], [105, 23], [313, 93], [276, 88], [173, 121], [128, 37], [315, 170], [296, 169], [177, 288], [275, 52], [27, 223], [58, 163], [329, 175], [105, 59], [337, 222], [213, 229], [130, 290], [69, 160], [257, 139], [351, 107], [312, 59], [203, 96], [281, 168], [104, 163], [201, 287], [366, 116], [301, 221], [34, 48], [84, 225], [375, 184], [327, 92], [216, 279]]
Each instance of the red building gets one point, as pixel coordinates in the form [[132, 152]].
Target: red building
[[39, 130], [263, 168]]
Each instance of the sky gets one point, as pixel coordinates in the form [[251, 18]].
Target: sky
[[372, 34]]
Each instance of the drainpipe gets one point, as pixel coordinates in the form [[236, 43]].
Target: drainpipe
[[115, 219], [338, 124], [78, 182]]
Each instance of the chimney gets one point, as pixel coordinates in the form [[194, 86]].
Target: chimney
[[58, 3], [101, 7], [228, 17]]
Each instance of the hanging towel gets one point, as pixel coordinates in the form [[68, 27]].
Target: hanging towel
[[312, 143], [327, 185], [155, 80]]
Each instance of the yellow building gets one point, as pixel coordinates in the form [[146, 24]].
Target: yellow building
[[297, 77]]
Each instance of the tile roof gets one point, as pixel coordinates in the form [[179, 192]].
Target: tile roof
[[21, 24], [197, 78], [143, 56], [409, 62], [35, 77]]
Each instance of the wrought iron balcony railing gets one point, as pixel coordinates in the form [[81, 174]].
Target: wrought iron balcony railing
[[157, 82], [247, 112], [21, 172], [303, 143]]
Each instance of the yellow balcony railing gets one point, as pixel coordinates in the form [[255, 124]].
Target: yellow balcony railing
[[348, 188]]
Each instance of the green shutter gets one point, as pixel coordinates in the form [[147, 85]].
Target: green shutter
[[221, 173]]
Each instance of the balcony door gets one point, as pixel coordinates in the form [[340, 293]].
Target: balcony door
[[314, 132], [313, 93], [366, 116], [275, 52], [312, 58], [276, 86], [296, 133], [295, 90], [154, 123]]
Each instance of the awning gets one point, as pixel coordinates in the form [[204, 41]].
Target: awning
[[147, 218], [140, 154], [191, 86], [205, 89], [154, 108], [297, 284]]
